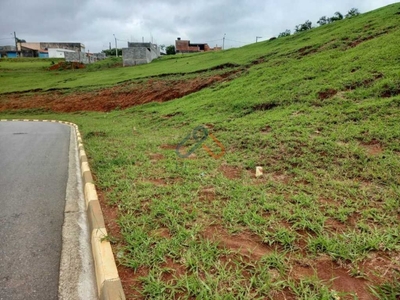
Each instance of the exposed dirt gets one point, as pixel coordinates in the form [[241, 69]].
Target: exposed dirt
[[335, 225], [168, 147], [326, 94], [364, 39], [110, 218], [154, 157], [207, 194], [156, 182], [121, 96], [63, 65], [131, 280], [230, 172], [390, 92], [162, 232], [373, 148], [306, 51], [244, 243], [339, 277], [265, 106]]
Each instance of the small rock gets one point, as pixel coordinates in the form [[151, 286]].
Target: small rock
[[259, 171]]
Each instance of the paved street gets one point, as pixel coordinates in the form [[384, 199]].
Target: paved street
[[33, 180]]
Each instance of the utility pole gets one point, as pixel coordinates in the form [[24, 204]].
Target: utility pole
[[109, 45], [16, 43], [258, 37], [223, 42], [116, 49]]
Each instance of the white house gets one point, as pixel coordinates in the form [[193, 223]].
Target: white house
[[58, 53]]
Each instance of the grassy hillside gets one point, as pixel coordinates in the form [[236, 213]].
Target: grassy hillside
[[319, 111], [328, 39]]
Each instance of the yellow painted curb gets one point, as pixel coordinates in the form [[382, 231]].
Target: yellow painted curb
[[109, 284]]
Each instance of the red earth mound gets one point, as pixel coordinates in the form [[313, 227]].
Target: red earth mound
[[121, 96], [63, 65]]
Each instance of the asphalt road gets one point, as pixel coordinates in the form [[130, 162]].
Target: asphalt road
[[33, 179]]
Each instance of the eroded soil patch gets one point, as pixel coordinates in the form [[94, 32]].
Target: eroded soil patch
[[243, 243], [121, 96]]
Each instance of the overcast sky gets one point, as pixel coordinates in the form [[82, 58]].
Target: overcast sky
[[93, 22]]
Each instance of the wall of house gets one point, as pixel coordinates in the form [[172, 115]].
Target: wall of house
[[58, 53], [183, 46], [76, 57], [83, 57], [12, 54], [135, 56], [69, 46], [139, 53]]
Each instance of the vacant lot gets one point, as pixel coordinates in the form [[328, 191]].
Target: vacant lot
[[319, 111]]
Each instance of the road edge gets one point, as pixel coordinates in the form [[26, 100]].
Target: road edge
[[109, 286]]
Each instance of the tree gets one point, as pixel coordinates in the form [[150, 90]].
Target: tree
[[352, 13], [170, 50], [111, 52], [324, 20], [287, 32], [303, 27], [337, 17]]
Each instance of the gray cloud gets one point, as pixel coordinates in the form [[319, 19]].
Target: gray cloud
[[93, 22]]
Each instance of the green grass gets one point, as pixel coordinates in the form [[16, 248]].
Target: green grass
[[330, 188], [327, 39]]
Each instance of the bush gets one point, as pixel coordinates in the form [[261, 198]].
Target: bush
[[170, 50], [287, 32], [352, 13], [303, 27]]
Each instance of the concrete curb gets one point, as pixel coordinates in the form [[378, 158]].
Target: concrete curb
[[109, 286]]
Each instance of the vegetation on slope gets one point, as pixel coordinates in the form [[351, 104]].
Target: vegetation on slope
[[319, 111]]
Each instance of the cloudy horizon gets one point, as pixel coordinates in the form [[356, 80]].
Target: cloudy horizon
[[94, 23]]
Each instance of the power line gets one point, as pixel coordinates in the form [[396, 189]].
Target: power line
[[214, 41], [235, 41], [6, 38]]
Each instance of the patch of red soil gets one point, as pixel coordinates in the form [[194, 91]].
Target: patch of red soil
[[380, 267], [306, 51], [157, 181], [244, 243], [121, 96], [373, 148], [353, 219], [131, 282], [161, 232], [154, 157], [326, 94], [129, 278], [207, 194], [268, 177], [328, 202], [64, 65], [361, 40], [267, 129], [168, 147], [334, 275], [172, 270], [230, 172], [335, 225], [110, 217]]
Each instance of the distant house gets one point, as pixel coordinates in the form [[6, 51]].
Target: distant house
[[41, 49], [8, 51], [139, 53], [184, 46]]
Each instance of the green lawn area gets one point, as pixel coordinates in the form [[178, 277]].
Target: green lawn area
[[319, 111]]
